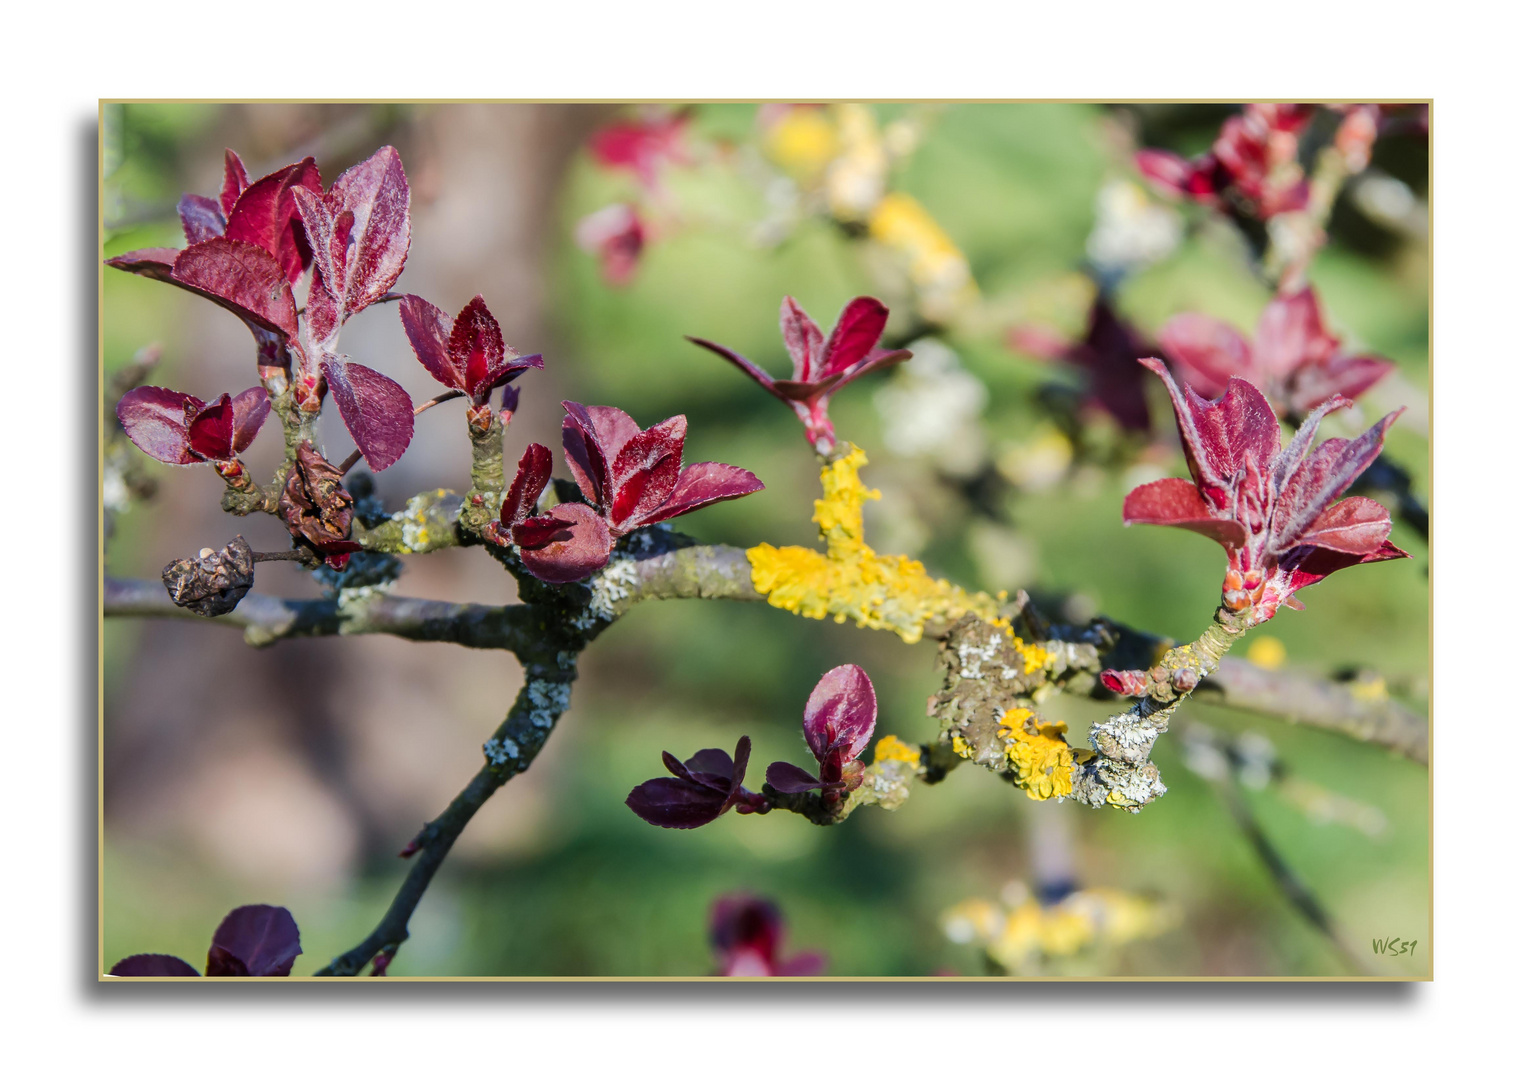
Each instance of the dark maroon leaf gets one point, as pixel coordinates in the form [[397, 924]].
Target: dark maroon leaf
[[855, 335], [672, 803], [559, 559], [532, 474], [702, 484], [266, 215], [211, 431], [250, 411], [428, 328], [262, 938], [713, 765], [791, 780], [377, 411], [586, 455], [1308, 565], [477, 348], [201, 218], [155, 421], [242, 277], [153, 964], [840, 714], [221, 963], [235, 180], [644, 471]]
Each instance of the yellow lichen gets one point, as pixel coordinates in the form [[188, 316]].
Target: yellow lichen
[[1038, 753], [850, 580], [961, 747], [1034, 658], [892, 748]]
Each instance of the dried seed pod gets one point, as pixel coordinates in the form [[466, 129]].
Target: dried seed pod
[[214, 582], [316, 507]]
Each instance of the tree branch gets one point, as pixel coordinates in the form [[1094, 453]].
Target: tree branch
[[1318, 702]]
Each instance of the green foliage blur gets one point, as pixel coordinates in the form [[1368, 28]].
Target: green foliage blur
[[599, 893]]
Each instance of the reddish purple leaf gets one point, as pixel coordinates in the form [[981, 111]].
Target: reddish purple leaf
[[855, 335], [250, 411], [702, 484], [211, 431], [477, 349], [1357, 525], [428, 328], [644, 471], [377, 411], [266, 215], [1323, 477], [242, 277], [532, 474], [1291, 335], [1308, 565], [376, 194], [801, 965], [746, 923], [261, 938], [1177, 502], [157, 263], [1206, 352], [804, 340], [791, 780], [1348, 376], [155, 421], [235, 181], [840, 714], [1170, 172], [561, 558], [201, 218], [748, 367], [153, 964], [586, 454]]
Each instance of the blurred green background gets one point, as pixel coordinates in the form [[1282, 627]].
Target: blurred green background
[[293, 775]]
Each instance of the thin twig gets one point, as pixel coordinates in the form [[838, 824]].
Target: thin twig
[[1286, 878]]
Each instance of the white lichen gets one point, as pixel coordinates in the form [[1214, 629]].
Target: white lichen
[[609, 588], [972, 658], [501, 751], [547, 701]]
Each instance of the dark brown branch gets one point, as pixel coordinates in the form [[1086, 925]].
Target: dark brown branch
[[267, 619]]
